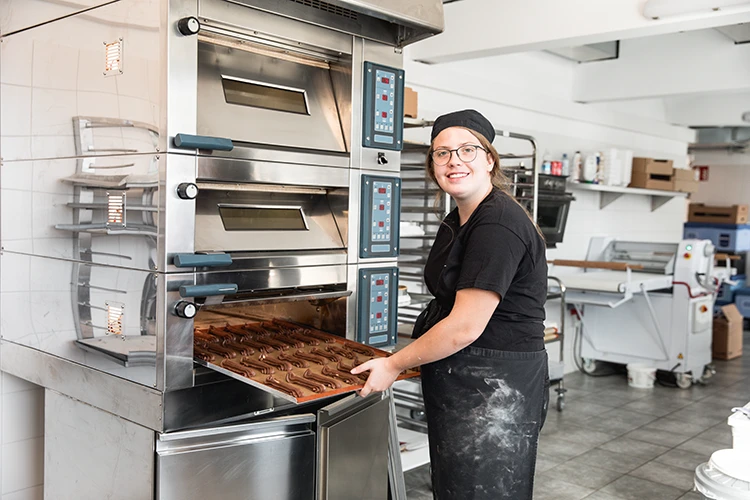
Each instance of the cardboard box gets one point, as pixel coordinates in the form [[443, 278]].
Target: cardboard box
[[410, 103], [649, 173], [736, 214], [683, 180], [727, 342]]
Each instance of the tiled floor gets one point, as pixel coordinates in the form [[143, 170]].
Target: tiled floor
[[613, 442]]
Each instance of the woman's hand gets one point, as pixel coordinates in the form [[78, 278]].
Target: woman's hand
[[382, 375]]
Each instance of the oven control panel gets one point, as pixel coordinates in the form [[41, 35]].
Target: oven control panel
[[383, 107], [377, 306], [381, 211]]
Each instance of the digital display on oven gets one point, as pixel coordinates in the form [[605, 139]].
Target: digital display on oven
[[248, 218]]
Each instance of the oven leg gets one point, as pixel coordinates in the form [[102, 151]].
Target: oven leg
[[395, 470]]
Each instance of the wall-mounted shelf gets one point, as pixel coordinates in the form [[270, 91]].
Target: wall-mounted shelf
[[608, 194]]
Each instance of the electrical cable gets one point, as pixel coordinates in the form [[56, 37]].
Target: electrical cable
[[577, 351]]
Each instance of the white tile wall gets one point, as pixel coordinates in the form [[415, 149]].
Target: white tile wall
[[22, 438]]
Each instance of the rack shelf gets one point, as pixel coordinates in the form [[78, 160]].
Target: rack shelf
[[608, 194]]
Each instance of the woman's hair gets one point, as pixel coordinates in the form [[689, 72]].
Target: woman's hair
[[497, 176]]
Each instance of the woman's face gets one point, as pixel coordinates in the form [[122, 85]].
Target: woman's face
[[463, 180]]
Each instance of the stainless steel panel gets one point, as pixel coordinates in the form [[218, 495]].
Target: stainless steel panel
[[22, 14], [258, 280], [314, 226], [177, 218], [90, 453], [206, 402], [264, 154], [267, 24], [353, 449], [132, 401], [285, 171], [318, 128], [41, 308], [56, 72], [427, 14], [269, 459], [179, 74]]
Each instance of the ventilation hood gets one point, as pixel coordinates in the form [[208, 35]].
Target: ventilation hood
[[395, 22], [721, 138]]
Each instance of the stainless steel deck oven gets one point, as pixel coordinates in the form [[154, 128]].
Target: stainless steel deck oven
[[175, 166]]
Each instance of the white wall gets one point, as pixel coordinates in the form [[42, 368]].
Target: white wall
[[509, 96], [728, 178], [22, 437]]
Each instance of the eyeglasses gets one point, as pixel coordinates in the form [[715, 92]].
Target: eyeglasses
[[466, 154]]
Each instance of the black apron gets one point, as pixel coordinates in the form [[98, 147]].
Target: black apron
[[484, 409]]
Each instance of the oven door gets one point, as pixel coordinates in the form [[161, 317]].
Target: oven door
[[353, 449], [254, 94], [552, 216]]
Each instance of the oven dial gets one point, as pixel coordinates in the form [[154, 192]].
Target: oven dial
[[185, 309], [187, 191], [188, 26], [382, 160]]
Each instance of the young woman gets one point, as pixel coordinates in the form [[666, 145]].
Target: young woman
[[480, 342]]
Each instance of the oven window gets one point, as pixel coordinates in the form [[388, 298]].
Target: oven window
[[262, 218], [549, 216], [264, 95]]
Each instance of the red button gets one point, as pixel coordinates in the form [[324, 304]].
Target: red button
[[385, 97], [386, 80], [378, 315], [379, 282], [384, 114], [381, 207], [379, 299], [381, 224], [381, 190]]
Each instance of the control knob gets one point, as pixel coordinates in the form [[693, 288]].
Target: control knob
[[188, 26], [185, 309], [187, 191], [382, 160]]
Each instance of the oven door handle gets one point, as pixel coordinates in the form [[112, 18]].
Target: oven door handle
[[207, 290], [186, 141], [202, 260]]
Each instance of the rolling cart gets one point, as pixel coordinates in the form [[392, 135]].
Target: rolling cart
[[557, 368]]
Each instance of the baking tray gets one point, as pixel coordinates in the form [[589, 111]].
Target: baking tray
[[313, 365]]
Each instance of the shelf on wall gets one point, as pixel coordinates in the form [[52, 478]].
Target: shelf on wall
[[608, 194]]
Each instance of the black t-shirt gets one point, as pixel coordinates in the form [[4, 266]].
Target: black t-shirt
[[497, 249]]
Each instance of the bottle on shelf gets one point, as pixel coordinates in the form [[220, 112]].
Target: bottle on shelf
[[546, 164], [575, 175], [588, 174], [565, 165]]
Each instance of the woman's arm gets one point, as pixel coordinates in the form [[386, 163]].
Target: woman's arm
[[467, 320]]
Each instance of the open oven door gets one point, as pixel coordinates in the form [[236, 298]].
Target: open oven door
[[353, 435]]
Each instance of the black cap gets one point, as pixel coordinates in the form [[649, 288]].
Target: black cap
[[468, 118]]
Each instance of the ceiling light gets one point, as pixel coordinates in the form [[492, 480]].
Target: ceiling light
[[659, 9]]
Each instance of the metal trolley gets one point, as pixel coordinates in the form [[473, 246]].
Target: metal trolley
[[557, 292]]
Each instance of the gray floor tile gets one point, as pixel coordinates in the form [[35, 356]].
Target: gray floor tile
[[581, 410], [549, 488], [675, 427], [656, 407], [691, 495], [546, 462], [618, 421], [635, 448], [670, 475], [664, 438], [701, 447], [600, 495], [561, 449], [633, 488], [418, 495], [615, 399], [583, 435], [589, 476], [720, 433], [682, 458], [418, 478], [608, 460]]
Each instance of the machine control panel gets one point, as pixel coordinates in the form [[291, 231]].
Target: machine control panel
[[381, 211], [383, 107], [378, 298]]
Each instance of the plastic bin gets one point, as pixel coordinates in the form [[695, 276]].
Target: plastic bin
[[726, 292], [742, 301], [726, 237]]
